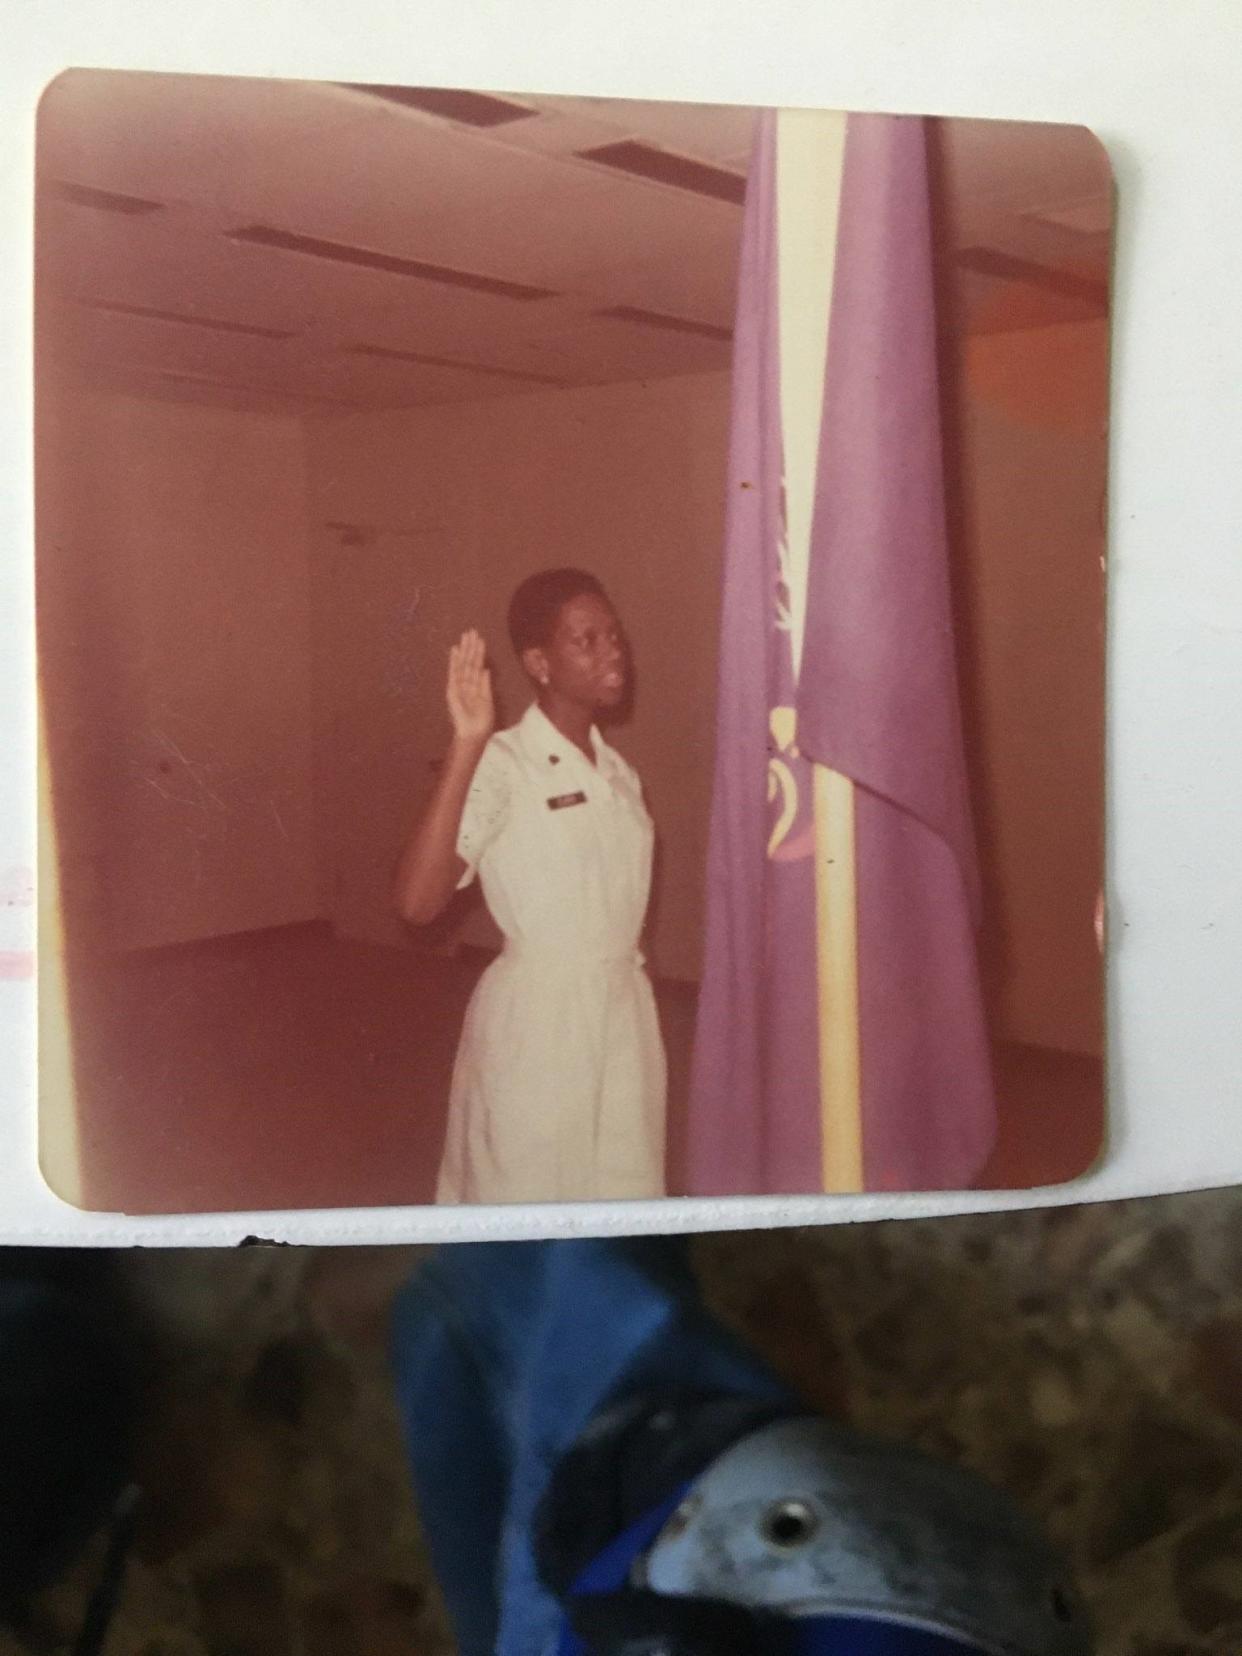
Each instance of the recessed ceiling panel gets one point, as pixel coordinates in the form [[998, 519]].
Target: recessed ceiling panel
[[388, 264], [660, 166], [475, 109], [363, 217]]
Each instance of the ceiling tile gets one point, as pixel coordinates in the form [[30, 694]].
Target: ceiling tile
[[513, 202]]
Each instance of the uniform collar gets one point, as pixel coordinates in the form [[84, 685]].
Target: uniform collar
[[544, 742]]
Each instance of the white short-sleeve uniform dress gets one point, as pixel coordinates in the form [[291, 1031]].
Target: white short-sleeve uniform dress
[[559, 1086]]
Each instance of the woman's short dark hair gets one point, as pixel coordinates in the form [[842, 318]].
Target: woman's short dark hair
[[537, 603]]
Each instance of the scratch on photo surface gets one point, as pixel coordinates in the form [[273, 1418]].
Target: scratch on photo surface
[[195, 769], [172, 798]]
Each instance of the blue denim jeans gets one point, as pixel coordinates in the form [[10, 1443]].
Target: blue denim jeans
[[503, 1353]]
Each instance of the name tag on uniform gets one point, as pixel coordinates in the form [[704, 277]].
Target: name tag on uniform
[[563, 801]]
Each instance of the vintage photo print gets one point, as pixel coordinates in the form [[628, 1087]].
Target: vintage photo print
[[571, 643]]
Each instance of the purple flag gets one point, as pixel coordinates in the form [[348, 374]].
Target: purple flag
[[754, 1112], [877, 702], [878, 698]]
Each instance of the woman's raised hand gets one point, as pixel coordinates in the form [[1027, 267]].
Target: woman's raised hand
[[469, 693]]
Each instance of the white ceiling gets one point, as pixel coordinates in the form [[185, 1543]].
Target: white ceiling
[[513, 202]]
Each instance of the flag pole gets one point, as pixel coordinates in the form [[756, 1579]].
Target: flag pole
[[810, 150], [840, 1060]]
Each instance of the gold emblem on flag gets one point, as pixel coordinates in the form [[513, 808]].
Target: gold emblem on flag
[[782, 784]]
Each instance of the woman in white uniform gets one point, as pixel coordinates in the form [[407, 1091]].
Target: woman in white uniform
[[558, 1091]]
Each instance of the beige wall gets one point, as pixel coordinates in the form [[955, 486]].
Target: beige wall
[[378, 603], [243, 703], [625, 480], [1032, 450], [175, 650]]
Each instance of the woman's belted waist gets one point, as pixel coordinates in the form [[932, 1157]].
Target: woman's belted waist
[[553, 955]]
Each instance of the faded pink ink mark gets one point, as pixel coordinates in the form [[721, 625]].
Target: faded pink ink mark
[[16, 965]]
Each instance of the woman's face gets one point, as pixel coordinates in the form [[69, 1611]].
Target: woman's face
[[585, 661]]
